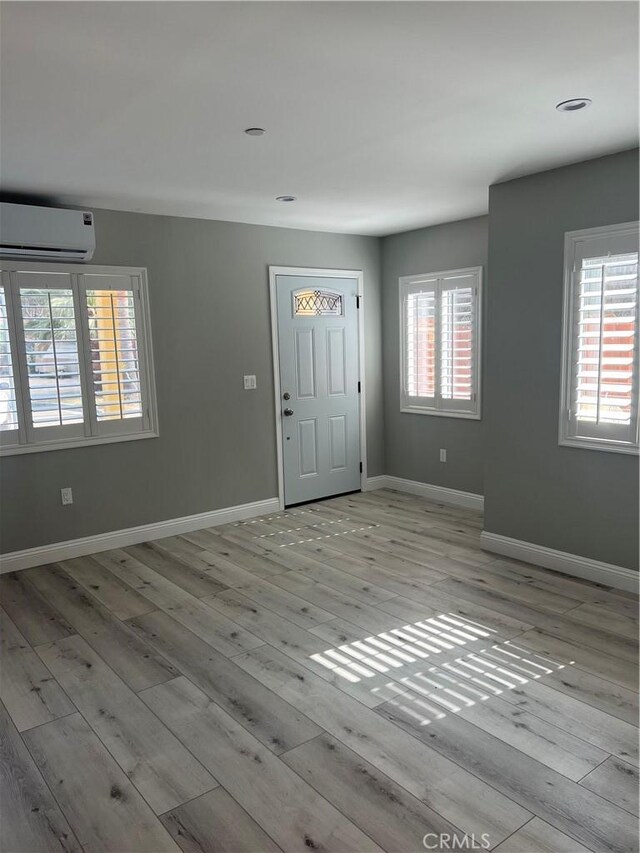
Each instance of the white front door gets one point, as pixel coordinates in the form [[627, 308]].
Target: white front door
[[319, 387]]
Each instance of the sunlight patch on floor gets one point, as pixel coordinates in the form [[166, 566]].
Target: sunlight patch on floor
[[430, 692], [398, 647], [298, 532]]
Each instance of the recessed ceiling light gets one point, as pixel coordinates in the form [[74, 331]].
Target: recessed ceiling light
[[574, 104], [255, 131], [286, 198]]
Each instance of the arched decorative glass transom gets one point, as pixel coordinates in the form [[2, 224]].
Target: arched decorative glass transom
[[317, 303]]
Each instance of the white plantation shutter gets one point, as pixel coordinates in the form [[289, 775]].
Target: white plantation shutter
[[117, 364], [49, 348], [420, 323], [440, 339], [600, 388], [75, 357], [457, 344], [605, 339], [9, 401]]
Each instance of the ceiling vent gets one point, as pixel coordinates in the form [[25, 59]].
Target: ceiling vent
[[46, 233]]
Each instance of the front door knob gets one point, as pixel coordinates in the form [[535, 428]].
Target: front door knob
[[288, 413]]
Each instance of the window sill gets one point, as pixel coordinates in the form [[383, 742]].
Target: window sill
[[440, 413], [74, 443], [600, 444]]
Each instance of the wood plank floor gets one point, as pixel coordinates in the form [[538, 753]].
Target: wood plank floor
[[352, 675]]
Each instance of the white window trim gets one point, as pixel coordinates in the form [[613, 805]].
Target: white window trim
[[145, 349], [405, 284], [571, 240]]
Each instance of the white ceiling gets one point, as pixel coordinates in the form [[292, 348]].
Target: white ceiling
[[381, 117]]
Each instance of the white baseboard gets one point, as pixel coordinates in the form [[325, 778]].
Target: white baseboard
[[561, 561], [440, 494], [373, 483], [132, 535]]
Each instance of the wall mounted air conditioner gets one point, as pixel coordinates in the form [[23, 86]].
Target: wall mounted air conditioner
[[46, 233]]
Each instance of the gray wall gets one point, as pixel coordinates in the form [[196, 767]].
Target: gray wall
[[581, 501], [413, 442], [209, 296]]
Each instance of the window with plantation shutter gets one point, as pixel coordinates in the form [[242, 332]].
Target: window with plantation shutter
[[599, 406], [440, 343], [75, 357]]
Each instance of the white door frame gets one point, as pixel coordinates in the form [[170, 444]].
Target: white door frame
[[313, 272]]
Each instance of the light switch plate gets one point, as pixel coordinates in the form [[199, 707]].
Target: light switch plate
[[250, 383]]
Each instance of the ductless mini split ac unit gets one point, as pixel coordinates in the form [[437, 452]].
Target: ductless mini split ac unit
[[46, 233]]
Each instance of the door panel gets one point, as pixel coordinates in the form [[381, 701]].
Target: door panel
[[336, 366], [318, 346], [308, 446], [305, 363], [338, 442]]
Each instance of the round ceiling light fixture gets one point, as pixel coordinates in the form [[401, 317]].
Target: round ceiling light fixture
[[286, 198], [574, 104], [255, 131]]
